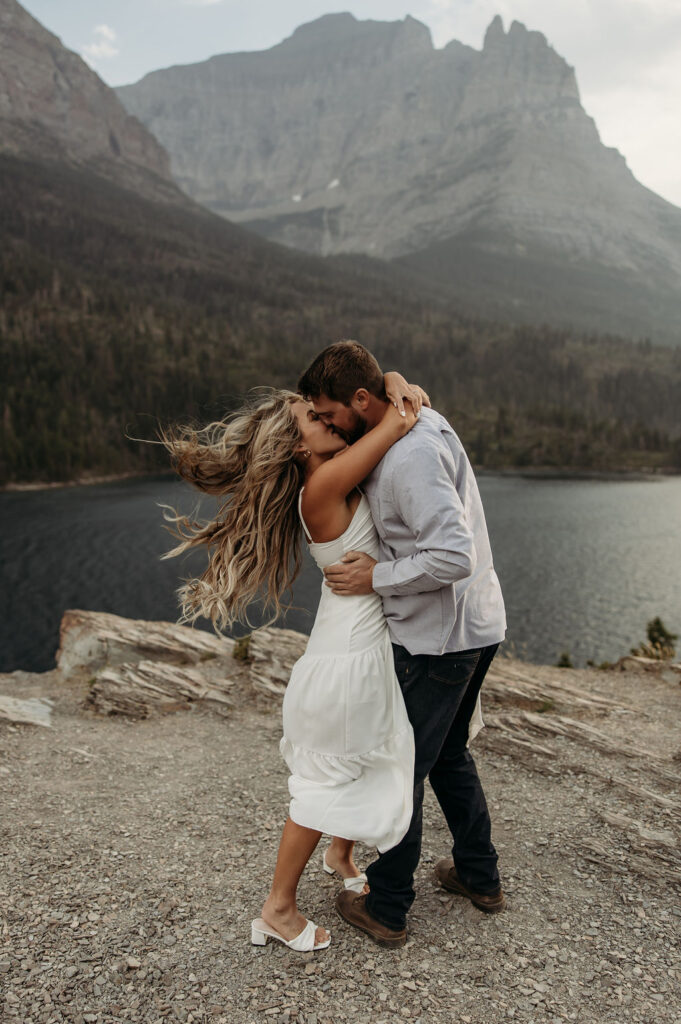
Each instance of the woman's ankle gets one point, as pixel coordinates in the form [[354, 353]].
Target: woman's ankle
[[344, 863], [282, 906]]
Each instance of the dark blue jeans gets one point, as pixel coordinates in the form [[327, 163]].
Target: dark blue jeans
[[440, 692]]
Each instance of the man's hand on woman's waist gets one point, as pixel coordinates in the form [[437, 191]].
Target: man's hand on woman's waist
[[352, 575]]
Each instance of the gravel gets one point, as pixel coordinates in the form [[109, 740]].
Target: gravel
[[135, 854]]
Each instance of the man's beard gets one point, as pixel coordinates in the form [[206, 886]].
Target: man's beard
[[357, 430]]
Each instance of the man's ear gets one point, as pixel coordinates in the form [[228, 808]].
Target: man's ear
[[360, 400]]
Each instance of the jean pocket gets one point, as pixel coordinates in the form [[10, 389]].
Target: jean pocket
[[453, 669]]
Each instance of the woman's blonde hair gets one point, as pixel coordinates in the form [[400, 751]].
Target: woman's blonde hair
[[249, 458]]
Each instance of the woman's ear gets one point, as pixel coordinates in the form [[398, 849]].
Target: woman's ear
[[302, 451]]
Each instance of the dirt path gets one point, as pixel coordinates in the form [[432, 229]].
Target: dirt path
[[135, 854]]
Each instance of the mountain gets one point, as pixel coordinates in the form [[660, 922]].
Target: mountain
[[121, 296], [478, 169], [124, 302], [52, 105]]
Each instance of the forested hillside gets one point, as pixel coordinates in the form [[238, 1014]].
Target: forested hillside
[[117, 311]]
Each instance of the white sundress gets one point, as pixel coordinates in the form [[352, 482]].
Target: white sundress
[[347, 739]]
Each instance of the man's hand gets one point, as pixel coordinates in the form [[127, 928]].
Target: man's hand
[[352, 575]]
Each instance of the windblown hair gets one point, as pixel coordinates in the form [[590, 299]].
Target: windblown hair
[[249, 458], [339, 371]]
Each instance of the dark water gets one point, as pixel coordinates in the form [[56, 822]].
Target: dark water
[[583, 564]]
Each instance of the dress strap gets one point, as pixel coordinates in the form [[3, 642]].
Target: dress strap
[[308, 538]]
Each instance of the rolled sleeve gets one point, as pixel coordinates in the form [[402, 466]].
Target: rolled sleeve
[[425, 498]]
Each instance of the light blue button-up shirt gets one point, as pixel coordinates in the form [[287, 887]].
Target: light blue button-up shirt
[[436, 577]]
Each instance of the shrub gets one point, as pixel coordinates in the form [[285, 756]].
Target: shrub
[[661, 643]]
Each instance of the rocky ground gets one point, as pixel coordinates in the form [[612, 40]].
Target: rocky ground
[[135, 853]]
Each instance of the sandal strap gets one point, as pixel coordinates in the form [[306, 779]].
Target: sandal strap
[[304, 941], [355, 884]]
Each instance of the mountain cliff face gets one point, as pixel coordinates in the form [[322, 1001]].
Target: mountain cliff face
[[361, 137], [52, 105]]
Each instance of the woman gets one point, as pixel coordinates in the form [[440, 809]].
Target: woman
[[347, 739]]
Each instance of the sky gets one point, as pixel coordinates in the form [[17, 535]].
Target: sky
[[626, 53]]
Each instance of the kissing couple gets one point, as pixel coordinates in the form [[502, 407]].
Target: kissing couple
[[409, 620]]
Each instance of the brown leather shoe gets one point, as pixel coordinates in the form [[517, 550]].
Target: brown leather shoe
[[488, 902], [353, 908]]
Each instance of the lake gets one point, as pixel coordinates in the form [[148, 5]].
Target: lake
[[584, 564]]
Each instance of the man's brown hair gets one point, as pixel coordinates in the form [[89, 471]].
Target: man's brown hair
[[339, 371]]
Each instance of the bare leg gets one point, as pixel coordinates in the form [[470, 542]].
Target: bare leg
[[280, 910], [339, 857]]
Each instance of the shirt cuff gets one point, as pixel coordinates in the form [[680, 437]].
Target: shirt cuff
[[380, 579]]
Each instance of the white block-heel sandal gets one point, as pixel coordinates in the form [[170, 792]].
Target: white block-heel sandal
[[355, 884], [302, 943]]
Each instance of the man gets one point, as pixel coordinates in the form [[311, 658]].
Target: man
[[444, 608]]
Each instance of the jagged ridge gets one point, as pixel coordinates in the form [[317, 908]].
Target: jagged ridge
[[360, 136]]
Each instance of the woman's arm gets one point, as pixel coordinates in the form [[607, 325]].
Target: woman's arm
[[338, 477]]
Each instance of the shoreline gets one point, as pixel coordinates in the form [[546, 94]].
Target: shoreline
[[85, 481], [568, 473], [524, 472]]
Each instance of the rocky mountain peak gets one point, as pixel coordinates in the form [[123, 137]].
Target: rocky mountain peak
[[521, 67], [359, 136], [344, 31], [518, 31], [495, 35], [53, 104], [14, 17], [532, 46], [415, 33], [517, 36], [330, 27]]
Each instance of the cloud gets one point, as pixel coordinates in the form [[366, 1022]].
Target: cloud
[[104, 32], [103, 45], [200, 3]]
